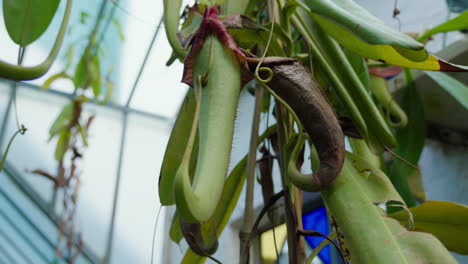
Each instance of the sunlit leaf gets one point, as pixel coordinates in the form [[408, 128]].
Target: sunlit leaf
[[27, 20], [447, 221], [457, 23], [358, 30], [455, 88]]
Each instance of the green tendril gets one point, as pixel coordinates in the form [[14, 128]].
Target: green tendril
[[21, 131], [258, 68], [264, 82], [290, 110]]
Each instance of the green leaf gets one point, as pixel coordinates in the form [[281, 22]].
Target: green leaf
[[62, 120], [455, 88], [61, 75], [410, 143], [351, 17], [360, 67], [69, 56], [416, 184], [176, 147], [235, 6], [175, 232], [396, 117], [457, 23], [84, 134], [359, 21], [322, 54], [358, 30], [371, 236], [247, 38], [83, 17], [220, 2], [27, 20], [377, 129], [191, 23], [94, 71], [447, 221], [109, 90], [80, 72], [361, 149], [289, 9], [118, 26], [62, 144]]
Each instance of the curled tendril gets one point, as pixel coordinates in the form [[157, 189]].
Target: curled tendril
[[21, 131], [263, 69], [264, 82], [259, 69]]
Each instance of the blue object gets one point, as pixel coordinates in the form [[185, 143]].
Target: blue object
[[317, 220]]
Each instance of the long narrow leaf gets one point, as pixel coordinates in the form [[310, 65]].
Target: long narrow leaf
[[358, 30], [410, 144], [455, 88], [457, 23]]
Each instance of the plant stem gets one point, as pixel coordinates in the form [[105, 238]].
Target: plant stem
[[290, 211], [251, 164], [298, 201]]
